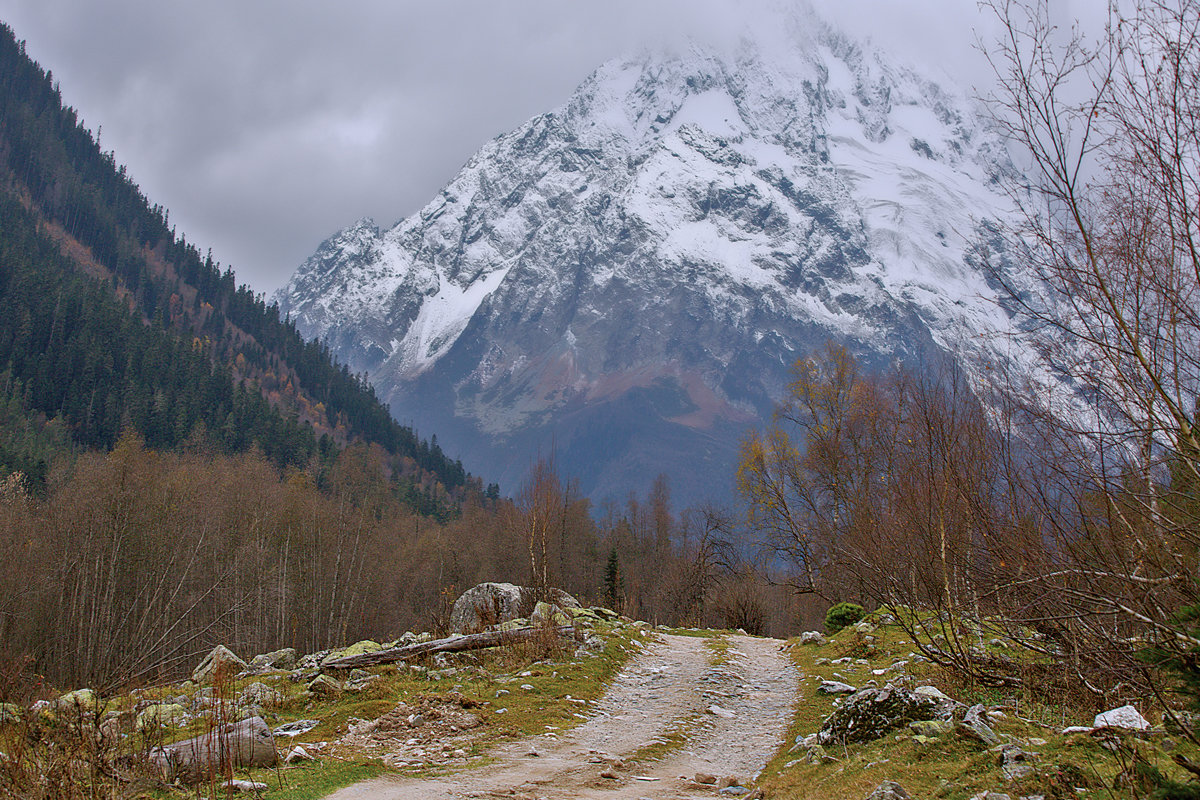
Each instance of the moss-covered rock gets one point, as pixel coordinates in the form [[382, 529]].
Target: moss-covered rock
[[871, 713], [161, 715]]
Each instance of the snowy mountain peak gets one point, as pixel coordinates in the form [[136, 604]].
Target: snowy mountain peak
[[653, 254]]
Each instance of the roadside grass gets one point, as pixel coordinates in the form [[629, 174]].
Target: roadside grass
[[560, 689], [318, 779], [951, 767]]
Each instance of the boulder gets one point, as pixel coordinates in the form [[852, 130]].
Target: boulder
[[812, 637], [871, 713], [486, 604], [888, 790], [1124, 717], [325, 686], [240, 744], [79, 704], [219, 657], [494, 603], [284, 659], [161, 715], [563, 600]]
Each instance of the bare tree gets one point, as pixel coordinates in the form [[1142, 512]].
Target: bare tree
[[1110, 131]]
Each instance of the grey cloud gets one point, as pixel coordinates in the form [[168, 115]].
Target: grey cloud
[[265, 126]]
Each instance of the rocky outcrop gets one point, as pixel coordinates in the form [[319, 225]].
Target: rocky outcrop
[[871, 713]]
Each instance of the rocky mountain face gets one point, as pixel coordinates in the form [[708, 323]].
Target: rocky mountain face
[[627, 279]]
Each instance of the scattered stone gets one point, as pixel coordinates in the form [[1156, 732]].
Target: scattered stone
[[1124, 717], [974, 727], [219, 657], [1070, 729], [723, 713], [608, 774], [239, 785], [836, 687], [1015, 763], [991, 795], [299, 755], [293, 729], [815, 754], [888, 790], [705, 778], [1180, 721], [734, 791], [726, 781], [361, 727], [812, 637], [261, 694]]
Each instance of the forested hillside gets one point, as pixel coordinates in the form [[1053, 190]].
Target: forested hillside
[[116, 323], [179, 468]]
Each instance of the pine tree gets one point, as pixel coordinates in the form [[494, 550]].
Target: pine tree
[[614, 589]]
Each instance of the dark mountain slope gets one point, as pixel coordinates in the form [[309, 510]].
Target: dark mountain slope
[[114, 322]]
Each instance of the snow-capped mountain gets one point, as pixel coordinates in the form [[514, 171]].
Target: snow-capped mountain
[[628, 278]]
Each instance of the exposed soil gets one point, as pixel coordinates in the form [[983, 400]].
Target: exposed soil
[[670, 715]]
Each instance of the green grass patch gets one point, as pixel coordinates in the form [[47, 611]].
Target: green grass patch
[[718, 649], [316, 780]]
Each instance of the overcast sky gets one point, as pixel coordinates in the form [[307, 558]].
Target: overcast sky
[[266, 125]]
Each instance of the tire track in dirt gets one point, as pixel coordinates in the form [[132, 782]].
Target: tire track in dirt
[[663, 693]]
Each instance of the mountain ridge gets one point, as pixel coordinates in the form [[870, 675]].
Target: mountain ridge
[[666, 243]]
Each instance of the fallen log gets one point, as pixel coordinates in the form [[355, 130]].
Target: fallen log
[[452, 644], [248, 743]]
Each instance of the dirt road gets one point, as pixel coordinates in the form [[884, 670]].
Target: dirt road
[[726, 721]]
